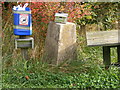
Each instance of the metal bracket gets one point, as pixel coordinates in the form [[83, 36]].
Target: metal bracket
[[27, 42]]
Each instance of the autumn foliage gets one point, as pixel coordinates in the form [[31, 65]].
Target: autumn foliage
[[44, 12]]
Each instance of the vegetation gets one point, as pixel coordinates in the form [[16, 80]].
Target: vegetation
[[37, 76], [87, 71]]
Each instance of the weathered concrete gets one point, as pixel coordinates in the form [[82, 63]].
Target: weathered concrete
[[60, 44]]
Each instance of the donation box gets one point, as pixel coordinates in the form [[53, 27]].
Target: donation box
[[22, 20]]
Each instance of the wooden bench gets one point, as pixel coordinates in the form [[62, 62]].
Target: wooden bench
[[106, 39]]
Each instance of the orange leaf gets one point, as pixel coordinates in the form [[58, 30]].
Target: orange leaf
[[27, 77]]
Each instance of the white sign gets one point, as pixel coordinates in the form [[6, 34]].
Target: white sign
[[23, 19]]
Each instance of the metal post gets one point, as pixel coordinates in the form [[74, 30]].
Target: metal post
[[24, 51]]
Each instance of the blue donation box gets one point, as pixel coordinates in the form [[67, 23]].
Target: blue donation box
[[22, 20]]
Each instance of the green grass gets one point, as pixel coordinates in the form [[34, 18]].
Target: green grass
[[40, 76], [85, 72]]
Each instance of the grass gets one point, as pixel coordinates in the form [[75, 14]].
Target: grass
[[43, 76], [85, 72]]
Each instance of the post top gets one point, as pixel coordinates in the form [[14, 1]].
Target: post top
[[61, 14], [51, 22]]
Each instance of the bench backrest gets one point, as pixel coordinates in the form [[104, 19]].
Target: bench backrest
[[103, 38]]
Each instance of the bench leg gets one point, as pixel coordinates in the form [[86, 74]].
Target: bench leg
[[118, 52], [106, 56]]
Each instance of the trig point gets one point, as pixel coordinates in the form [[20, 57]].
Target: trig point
[[60, 44]]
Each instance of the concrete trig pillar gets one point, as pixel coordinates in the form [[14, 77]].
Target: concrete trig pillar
[[60, 44]]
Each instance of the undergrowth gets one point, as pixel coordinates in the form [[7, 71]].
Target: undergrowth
[[87, 71], [41, 75]]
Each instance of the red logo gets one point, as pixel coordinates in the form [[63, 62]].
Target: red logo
[[23, 19]]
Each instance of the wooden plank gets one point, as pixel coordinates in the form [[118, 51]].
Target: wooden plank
[[103, 38], [106, 56]]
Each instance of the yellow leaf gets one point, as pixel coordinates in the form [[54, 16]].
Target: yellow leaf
[[88, 17]]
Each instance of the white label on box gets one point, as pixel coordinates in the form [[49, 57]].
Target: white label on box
[[23, 19]]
